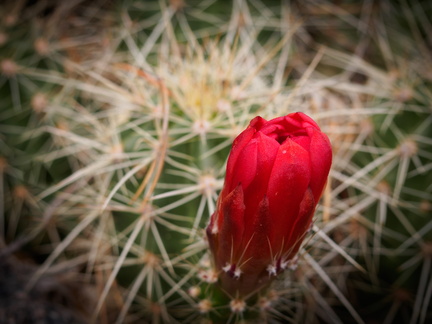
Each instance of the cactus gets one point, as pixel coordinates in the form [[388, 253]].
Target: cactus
[[114, 142]]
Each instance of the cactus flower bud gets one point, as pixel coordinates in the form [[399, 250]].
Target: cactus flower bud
[[275, 175]]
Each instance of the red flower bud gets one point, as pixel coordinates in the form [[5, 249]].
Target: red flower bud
[[275, 175]]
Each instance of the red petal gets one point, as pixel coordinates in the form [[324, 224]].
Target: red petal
[[303, 120], [257, 123], [321, 158], [289, 180], [303, 141], [256, 248], [238, 146], [267, 149], [245, 167], [297, 232], [231, 228]]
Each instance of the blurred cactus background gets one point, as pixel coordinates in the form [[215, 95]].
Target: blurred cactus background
[[116, 119]]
